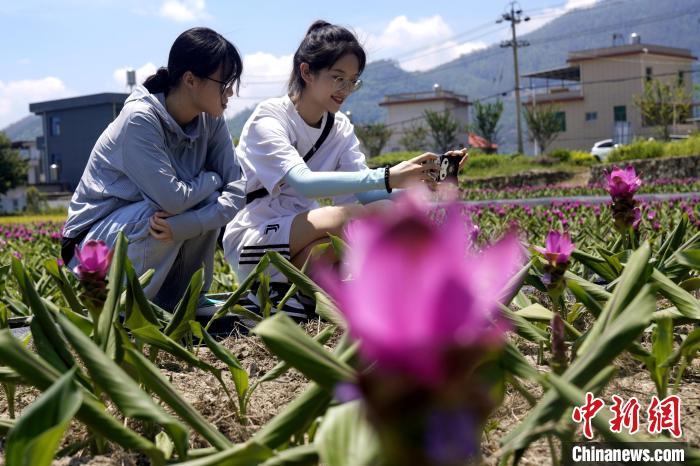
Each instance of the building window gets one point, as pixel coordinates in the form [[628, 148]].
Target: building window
[[591, 116], [681, 78], [649, 73], [55, 126], [561, 119], [620, 113]]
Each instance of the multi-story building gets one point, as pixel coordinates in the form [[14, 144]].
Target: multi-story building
[[407, 110], [71, 128], [595, 93]]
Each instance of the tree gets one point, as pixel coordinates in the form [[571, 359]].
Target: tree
[[544, 124], [36, 201], [663, 105], [374, 137], [443, 129], [486, 118], [415, 138], [13, 169]]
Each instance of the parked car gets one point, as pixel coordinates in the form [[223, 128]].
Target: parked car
[[602, 149]]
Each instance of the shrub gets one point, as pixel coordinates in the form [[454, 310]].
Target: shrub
[[639, 149], [485, 161], [562, 155], [690, 146], [582, 158], [391, 158]]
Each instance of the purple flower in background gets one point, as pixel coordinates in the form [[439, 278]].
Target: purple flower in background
[[94, 260], [622, 183], [17, 255], [558, 248]]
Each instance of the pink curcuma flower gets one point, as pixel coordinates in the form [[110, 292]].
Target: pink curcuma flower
[[94, 260], [622, 183], [558, 248], [419, 291]]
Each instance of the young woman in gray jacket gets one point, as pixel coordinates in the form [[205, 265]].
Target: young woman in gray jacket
[[164, 171]]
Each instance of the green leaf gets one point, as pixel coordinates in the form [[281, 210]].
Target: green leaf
[[35, 437], [303, 455], [596, 264], [672, 242], [609, 343], [524, 328], [686, 303], [151, 335], [633, 278], [346, 439], [120, 387], [513, 286], [298, 415], [104, 335], [691, 258], [290, 343], [142, 312], [246, 454], [50, 345], [596, 292], [61, 280], [537, 312], [308, 287], [154, 379], [187, 308], [238, 372], [92, 413], [689, 346], [661, 350]]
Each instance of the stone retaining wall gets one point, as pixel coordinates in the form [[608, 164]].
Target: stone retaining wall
[[520, 180], [653, 169]]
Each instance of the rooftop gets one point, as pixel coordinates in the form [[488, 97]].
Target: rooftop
[[77, 102], [629, 49], [412, 97]]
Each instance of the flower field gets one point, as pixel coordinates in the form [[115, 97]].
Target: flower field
[[450, 334]]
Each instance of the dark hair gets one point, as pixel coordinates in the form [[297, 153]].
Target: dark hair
[[323, 45], [201, 51]]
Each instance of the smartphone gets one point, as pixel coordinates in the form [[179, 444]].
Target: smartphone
[[448, 168]]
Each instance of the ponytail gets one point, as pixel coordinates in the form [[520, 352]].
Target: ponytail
[[201, 51], [159, 82]]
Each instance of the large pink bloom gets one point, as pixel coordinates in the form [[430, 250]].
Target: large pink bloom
[[93, 260], [418, 291], [622, 182], [558, 248]]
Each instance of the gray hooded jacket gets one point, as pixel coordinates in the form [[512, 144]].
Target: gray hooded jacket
[[144, 154]]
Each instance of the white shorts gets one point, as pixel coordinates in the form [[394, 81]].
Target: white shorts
[[255, 242]]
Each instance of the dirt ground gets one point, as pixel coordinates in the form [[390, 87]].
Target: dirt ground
[[206, 395]]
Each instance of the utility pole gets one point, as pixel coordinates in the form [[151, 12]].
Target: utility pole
[[514, 16]]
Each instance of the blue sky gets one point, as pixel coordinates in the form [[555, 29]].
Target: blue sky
[[55, 49]]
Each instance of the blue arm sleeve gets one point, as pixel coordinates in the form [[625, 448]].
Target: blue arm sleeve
[[376, 195], [327, 184]]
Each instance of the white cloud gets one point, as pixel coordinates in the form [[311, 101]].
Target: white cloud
[[15, 96], [24, 61], [142, 73], [418, 45], [183, 10], [549, 14], [264, 75]]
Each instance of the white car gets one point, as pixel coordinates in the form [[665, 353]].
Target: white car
[[602, 149]]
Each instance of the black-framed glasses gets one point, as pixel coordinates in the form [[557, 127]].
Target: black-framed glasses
[[344, 84], [225, 86]]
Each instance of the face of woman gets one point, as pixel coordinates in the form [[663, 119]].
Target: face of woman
[[211, 94], [331, 86]]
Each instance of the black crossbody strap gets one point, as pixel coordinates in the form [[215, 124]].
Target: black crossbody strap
[[262, 192]]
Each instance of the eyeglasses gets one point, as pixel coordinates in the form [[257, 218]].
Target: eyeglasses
[[225, 86], [344, 84]]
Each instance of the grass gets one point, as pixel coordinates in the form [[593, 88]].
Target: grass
[[7, 219], [490, 165]]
